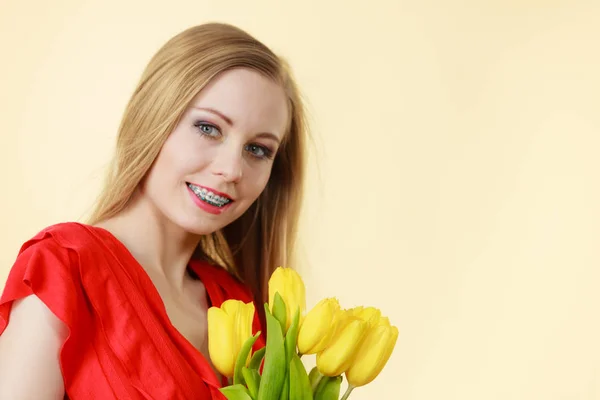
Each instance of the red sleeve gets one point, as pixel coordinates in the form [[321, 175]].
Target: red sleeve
[[44, 269]]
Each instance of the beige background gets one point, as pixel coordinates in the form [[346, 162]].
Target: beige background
[[456, 186]]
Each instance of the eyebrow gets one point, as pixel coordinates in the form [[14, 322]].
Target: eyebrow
[[267, 135], [218, 113]]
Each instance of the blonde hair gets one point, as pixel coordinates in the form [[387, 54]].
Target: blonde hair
[[263, 238]]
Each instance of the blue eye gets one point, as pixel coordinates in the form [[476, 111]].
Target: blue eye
[[259, 151], [207, 129]]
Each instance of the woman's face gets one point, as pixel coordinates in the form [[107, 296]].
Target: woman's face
[[218, 159]]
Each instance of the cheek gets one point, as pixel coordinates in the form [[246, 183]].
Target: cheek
[[180, 157], [166, 158], [164, 169], [257, 181]]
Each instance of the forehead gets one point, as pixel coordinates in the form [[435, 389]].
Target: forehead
[[251, 100]]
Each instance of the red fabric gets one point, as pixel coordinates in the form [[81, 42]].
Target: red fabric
[[121, 344]]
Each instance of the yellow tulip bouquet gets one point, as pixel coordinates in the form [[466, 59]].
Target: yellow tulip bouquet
[[355, 342]]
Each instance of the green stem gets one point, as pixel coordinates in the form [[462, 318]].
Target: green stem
[[348, 391]]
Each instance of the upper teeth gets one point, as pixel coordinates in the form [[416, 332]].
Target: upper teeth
[[209, 196]]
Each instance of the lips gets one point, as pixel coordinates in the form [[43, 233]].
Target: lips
[[210, 196], [210, 190]]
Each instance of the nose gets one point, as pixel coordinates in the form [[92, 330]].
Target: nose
[[228, 164]]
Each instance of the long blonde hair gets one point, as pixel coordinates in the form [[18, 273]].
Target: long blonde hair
[[263, 238]]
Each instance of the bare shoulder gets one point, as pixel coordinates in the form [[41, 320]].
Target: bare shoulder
[[29, 352]]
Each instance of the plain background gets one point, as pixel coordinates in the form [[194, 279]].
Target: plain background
[[453, 178]]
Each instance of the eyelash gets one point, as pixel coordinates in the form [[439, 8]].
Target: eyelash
[[268, 153]]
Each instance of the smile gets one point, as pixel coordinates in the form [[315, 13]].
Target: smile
[[209, 197]]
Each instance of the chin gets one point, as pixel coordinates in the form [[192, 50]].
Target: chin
[[202, 229], [202, 226]]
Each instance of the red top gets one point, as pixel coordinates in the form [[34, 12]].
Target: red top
[[121, 343]]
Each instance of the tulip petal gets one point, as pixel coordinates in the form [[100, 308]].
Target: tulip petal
[[288, 283], [276, 284], [318, 327], [245, 328], [315, 327], [373, 355], [371, 315], [336, 358], [231, 306], [220, 340]]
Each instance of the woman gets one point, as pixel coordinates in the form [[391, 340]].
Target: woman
[[200, 205]]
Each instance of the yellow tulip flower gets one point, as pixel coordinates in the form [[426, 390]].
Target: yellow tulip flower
[[373, 354], [229, 327], [291, 288], [371, 315], [340, 352], [319, 327]]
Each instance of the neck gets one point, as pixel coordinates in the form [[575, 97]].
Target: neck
[[160, 246]]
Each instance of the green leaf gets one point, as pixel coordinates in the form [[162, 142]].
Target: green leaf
[[320, 385], [285, 392], [314, 377], [236, 392], [329, 388], [290, 349], [291, 338], [257, 359], [274, 368], [279, 311], [241, 360], [252, 378], [299, 384]]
